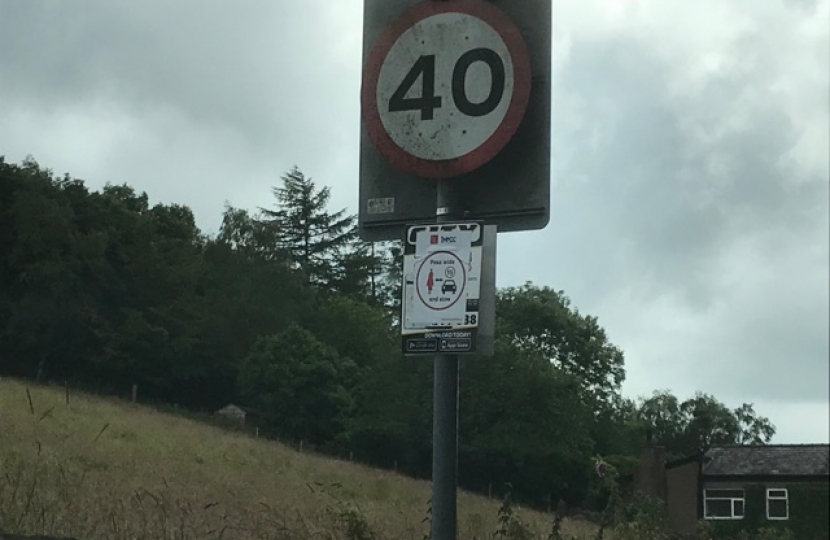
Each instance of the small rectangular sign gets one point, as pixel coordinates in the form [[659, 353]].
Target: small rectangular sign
[[454, 311], [448, 341], [381, 206], [441, 276], [420, 345], [452, 345]]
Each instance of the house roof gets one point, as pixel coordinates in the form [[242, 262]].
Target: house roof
[[768, 460]]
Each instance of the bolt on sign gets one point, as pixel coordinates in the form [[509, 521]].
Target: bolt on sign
[[455, 90]]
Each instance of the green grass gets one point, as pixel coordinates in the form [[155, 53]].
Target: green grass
[[106, 469]]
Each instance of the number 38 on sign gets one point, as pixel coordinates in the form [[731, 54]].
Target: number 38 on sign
[[445, 87]]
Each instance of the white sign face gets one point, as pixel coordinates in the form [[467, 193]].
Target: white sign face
[[441, 278], [442, 304], [448, 83], [439, 284], [445, 87]]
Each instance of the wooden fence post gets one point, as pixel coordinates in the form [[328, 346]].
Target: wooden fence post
[[66, 390], [135, 393]]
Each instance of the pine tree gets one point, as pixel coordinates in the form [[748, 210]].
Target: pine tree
[[389, 276], [314, 237], [355, 270]]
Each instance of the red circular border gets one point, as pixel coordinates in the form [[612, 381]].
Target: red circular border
[[474, 159], [463, 279]]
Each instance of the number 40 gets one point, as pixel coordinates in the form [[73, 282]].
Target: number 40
[[424, 68]]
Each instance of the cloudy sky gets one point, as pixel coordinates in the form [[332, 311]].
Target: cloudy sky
[[690, 158]]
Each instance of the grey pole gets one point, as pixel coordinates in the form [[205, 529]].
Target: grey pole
[[445, 417]]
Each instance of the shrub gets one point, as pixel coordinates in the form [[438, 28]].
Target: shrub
[[510, 526]]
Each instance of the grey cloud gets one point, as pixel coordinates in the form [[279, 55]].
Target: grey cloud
[[260, 71], [667, 193], [775, 347], [807, 6], [676, 202]]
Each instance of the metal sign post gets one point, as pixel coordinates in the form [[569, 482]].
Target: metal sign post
[[448, 310], [444, 419], [456, 126]]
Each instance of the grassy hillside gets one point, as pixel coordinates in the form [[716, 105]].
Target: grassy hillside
[[103, 469]]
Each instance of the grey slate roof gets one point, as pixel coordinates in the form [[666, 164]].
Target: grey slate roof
[[768, 460]]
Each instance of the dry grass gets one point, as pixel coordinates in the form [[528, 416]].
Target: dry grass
[[104, 469]]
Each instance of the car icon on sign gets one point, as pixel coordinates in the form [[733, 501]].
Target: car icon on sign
[[448, 286]]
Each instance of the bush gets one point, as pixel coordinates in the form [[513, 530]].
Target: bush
[[351, 524], [510, 526]]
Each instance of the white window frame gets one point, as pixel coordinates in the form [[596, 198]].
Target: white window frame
[[785, 498], [707, 498]]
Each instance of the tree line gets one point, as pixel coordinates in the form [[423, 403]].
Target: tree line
[[287, 311]]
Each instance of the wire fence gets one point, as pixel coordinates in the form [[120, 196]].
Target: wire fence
[[247, 425]]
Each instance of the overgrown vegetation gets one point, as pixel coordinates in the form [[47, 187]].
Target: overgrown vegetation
[[286, 311], [151, 475]]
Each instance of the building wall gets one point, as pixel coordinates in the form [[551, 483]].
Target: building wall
[[650, 477], [682, 495], [809, 508]]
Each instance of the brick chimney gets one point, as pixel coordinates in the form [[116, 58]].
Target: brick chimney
[[651, 474]]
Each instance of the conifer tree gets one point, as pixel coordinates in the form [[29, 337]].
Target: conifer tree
[[313, 236]]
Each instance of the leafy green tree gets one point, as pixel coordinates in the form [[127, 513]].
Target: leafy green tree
[[48, 316], [523, 421], [618, 432], [661, 414], [102, 288], [302, 386], [354, 270], [542, 320], [709, 422], [242, 294], [383, 421], [700, 422], [357, 330], [305, 228], [249, 236], [389, 276], [393, 420], [153, 257], [754, 429]]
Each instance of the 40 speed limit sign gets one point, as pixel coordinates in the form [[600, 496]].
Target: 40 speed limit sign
[[445, 87], [457, 91]]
